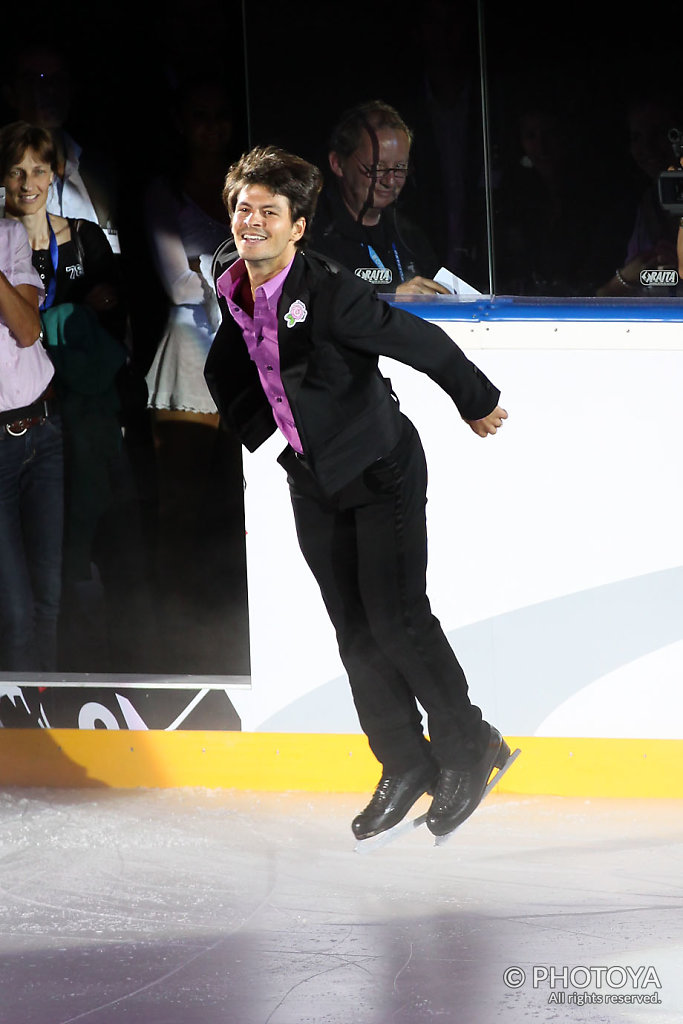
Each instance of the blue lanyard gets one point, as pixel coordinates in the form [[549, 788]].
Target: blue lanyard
[[54, 259], [378, 263]]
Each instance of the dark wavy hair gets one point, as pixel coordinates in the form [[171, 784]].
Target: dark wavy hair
[[18, 137], [347, 134], [283, 174]]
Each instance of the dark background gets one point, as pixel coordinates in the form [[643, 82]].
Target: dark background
[[292, 69]]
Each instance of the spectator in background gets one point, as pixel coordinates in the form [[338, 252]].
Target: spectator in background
[[38, 89], [84, 321], [198, 466], [547, 207], [358, 223], [679, 242], [186, 222], [44, 86], [653, 239], [31, 469]]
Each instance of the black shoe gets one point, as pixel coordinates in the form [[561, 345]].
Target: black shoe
[[459, 791], [393, 798]]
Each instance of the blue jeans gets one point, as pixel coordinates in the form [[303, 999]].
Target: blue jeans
[[31, 529]]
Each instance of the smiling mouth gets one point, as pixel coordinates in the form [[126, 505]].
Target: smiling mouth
[[254, 238]]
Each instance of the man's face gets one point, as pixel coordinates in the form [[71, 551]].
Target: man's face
[[355, 171], [263, 228]]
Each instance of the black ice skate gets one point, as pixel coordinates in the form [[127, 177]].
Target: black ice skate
[[392, 799], [459, 792], [498, 758]]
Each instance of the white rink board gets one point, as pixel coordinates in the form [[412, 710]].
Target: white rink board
[[556, 547]]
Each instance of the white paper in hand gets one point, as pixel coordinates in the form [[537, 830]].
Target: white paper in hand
[[455, 285]]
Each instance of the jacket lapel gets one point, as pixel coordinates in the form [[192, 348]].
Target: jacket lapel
[[294, 325]]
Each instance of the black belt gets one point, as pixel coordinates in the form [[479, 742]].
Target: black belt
[[16, 422]]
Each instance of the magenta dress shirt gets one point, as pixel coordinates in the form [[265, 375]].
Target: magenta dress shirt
[[260, 337]]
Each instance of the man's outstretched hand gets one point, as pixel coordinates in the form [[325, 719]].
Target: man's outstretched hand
[[489, 424]]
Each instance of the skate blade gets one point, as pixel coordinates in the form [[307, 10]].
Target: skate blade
[[493, 781], [365, 846]]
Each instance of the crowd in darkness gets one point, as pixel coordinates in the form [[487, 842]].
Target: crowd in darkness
[[576, 137]]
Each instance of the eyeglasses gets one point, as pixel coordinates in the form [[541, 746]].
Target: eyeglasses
[[400, 173]]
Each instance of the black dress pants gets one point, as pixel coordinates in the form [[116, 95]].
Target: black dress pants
[[367, 548]]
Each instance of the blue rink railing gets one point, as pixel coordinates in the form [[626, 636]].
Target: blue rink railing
[[486, 308]]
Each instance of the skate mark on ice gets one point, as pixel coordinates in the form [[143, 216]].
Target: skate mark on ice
[[402, 969]]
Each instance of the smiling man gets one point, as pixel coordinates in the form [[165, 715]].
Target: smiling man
[[298, 350]]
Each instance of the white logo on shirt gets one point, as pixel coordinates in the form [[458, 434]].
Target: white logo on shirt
[[374, 275]]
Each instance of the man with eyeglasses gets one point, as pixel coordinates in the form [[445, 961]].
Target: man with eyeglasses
[[358, 223]]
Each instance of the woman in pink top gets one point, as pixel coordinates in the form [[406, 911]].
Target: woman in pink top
[[31, 468]]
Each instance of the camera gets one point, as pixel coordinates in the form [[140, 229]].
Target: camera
[[670, 183]]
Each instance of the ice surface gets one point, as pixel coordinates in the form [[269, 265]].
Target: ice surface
[[220, 907]]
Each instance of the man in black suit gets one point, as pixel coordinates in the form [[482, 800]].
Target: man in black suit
[[298, 349]]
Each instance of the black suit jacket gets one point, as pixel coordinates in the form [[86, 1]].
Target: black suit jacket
[[343, 408]]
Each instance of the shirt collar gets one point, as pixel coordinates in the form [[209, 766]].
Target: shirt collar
[[228, 283]]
